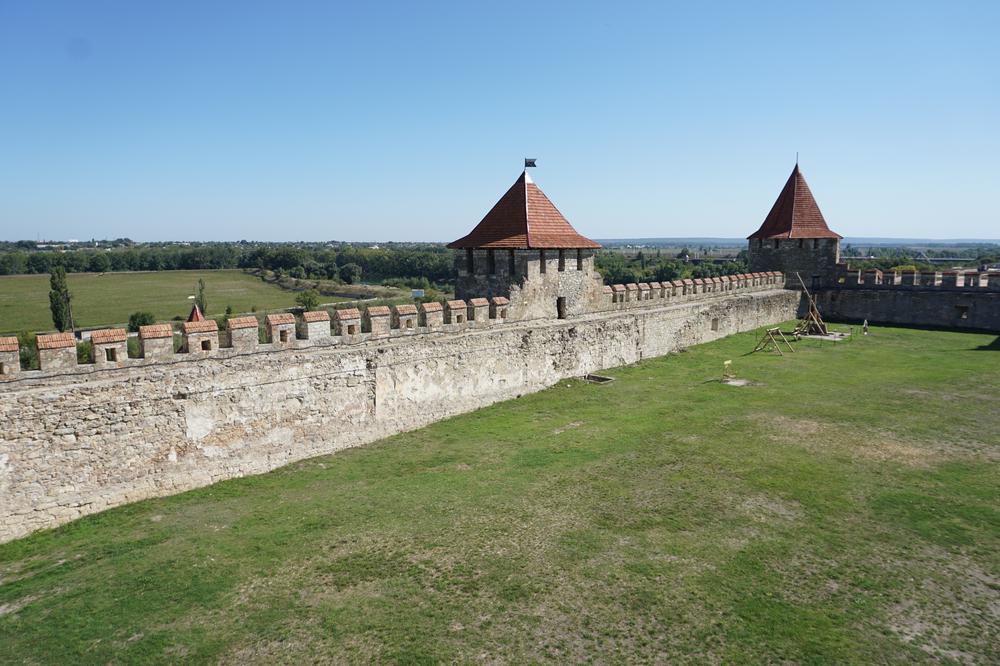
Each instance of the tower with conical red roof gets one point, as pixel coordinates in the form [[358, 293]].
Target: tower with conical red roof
[[794, 237], [525, 250]]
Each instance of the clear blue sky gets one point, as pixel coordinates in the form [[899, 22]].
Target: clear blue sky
[[379, 121]]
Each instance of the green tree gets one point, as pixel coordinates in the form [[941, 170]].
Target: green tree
[[200, 299], [137, 319], [59, 300], [99, 263], [308, 299], [350, 273]]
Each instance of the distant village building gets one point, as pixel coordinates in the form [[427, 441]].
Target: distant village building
[[794, 238], [526, 251]]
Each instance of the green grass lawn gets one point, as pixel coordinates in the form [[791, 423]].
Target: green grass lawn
[[109, 298], [844, 509]]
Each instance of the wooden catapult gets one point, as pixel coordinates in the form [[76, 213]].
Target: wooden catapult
[[812, 323], [770, 340]]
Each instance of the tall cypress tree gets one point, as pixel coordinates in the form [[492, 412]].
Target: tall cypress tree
[[59, 300], [200, 299]]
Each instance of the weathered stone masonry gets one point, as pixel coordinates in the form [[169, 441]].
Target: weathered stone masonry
[[74, 444]]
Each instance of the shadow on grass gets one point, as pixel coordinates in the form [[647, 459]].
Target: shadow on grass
[[993, 346]]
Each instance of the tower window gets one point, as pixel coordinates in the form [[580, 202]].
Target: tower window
[[512, 264], [760, 243], [776, 241], [815, 243], [579, 260], [470, 260], [562, 260], [491, 262], [802, 244], [541, 261]]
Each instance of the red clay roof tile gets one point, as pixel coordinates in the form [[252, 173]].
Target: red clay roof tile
[[9, 345], [348, 313], [478, 302], [524, 218], [153, 331], [795, 213], [406, 309], [433, 306], [203, 326], [315, 316], [456, 304], [55, 341], [281, 318], [107, 336], [502, 300], [379, 311], [242, 322]]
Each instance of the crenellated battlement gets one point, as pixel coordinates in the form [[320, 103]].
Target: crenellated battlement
[[643, 294], [160, 343], [873, 278]]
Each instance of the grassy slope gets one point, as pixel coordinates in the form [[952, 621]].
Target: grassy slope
[[845, 510], [109, 298]]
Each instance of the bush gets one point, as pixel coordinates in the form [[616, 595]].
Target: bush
[[137, 319], [29, 350], [83, 351], [350, 273], [309, 299]]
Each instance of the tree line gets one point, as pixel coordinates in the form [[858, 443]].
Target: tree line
[[618, 268], [301, 261]]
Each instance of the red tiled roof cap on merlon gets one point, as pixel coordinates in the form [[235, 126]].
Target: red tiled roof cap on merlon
[[456, 304], [237, 323], [280, 318], [378, 311], [432, 306], [524, 219], [203, 326], [478, 302], [106, 336], [500, 300], [794, 214], [8, 345], [315, 315], [348, 313], [154, 331], [406, 309], [55, 341]]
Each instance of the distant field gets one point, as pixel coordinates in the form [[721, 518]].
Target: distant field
[[109, 298], [840, 510]]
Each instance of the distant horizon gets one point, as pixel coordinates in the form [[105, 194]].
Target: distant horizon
[[401, 120], [847, 240]]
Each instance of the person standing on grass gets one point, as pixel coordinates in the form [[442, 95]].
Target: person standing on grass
[[864, 327]]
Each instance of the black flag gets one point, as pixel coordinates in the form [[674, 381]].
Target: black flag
[[529, 162]]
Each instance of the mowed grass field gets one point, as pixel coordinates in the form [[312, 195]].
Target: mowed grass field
[[109, 298], [843, 509]]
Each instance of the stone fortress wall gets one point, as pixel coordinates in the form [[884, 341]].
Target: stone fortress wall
[[80, 438], [950, 299]]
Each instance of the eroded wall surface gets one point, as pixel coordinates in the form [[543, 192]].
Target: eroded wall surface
[[74, 445]]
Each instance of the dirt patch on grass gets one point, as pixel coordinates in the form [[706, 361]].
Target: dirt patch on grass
[[574, 424], [764, 509], [13, 606], [952, 611], [875, 445]]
